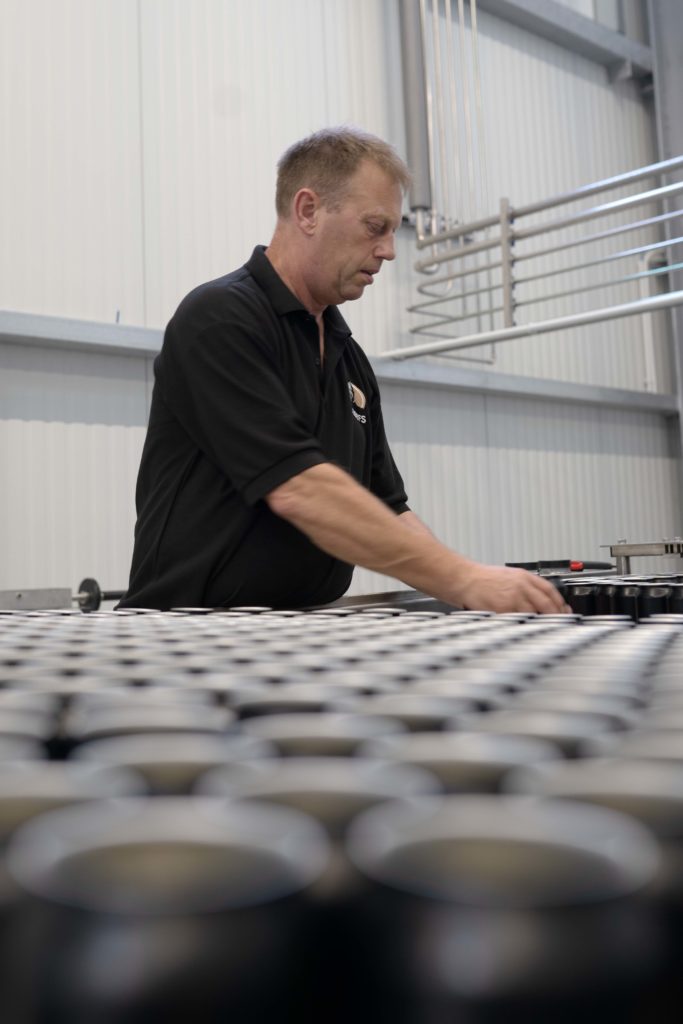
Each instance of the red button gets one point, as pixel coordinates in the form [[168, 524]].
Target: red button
[[576, 566]]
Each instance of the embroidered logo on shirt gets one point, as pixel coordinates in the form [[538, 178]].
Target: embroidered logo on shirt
[[358, 401]]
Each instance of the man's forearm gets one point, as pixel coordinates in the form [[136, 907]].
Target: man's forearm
[[348, 522], [414, 522]]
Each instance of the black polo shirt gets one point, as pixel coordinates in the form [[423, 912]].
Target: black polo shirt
[[240, 405]]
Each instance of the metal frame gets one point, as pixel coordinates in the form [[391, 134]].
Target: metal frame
[[624, 552], [461, 242], [554, 21], [624, 58]]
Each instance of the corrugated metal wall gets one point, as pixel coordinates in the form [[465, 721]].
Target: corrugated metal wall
[[139, 142]]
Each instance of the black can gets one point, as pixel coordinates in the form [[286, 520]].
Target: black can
[[492, 909]]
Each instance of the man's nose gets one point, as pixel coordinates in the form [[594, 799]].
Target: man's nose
[[386, 249]]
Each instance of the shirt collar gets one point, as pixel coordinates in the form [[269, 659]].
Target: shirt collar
[[281, 298]]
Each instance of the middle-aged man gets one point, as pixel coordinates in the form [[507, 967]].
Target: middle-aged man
[[266, 474]]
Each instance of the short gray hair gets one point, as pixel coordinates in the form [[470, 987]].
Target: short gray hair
[[326, 160]]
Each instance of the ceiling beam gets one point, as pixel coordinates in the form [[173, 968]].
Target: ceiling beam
[[551, 20]]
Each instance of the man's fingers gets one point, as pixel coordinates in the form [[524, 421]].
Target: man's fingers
[[508, 589], [547, 598]]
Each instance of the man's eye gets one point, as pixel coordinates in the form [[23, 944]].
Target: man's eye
[[375, 228]]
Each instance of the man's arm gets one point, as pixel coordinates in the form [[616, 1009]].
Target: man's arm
[[415, 523], [344, 519]]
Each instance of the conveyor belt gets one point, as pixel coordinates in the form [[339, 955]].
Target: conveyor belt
[[416, 883]]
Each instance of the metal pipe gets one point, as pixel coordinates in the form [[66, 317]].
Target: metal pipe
[[624, 254], [479, 109], [460, 210], [431, 158], [598, 284], [567, 197], [507, 260], [469, 145], [541, 327], [455, 254], [649, 358], [481, 134], [455, 206], [456, 297], [490, 243], [654, 195], [420, 217], [458, 231], [598, 236], [596, 211], [623, 565], [439, 106], [440, 321], [662, 167], [492, 265], [415, 104]]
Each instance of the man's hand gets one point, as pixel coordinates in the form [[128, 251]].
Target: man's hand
[[501, 589]]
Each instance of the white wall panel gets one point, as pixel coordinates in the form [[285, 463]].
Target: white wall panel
[[227, 86], [571, 480], [71, 434], [222, 96], [70, 182]]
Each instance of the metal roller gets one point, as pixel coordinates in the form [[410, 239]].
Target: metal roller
[[90, 595]]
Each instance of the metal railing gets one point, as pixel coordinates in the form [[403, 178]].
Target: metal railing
[[497, 246]]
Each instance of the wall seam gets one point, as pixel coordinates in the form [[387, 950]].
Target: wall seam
[[141, 128]]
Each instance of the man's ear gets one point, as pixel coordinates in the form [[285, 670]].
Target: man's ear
[[305, 208]]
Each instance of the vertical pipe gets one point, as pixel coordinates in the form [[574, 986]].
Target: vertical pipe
[[469, 141], [431, 152], [454, 209], [646, 263], [481, 137], [415, 105], [441, 134], [506, 257], [623, 564]]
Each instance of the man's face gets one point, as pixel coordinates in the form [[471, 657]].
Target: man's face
[[353, 241]]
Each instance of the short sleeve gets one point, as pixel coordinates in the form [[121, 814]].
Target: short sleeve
[[222, 385]]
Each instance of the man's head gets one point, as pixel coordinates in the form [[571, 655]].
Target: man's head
[[339, 197], [327, 160]]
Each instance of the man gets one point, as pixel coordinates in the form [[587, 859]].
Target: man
[[266, 474]]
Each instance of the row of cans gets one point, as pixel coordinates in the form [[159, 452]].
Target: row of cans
[[638, 597]]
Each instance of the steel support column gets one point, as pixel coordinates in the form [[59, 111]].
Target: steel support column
[[666, 38], [415, 105]]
